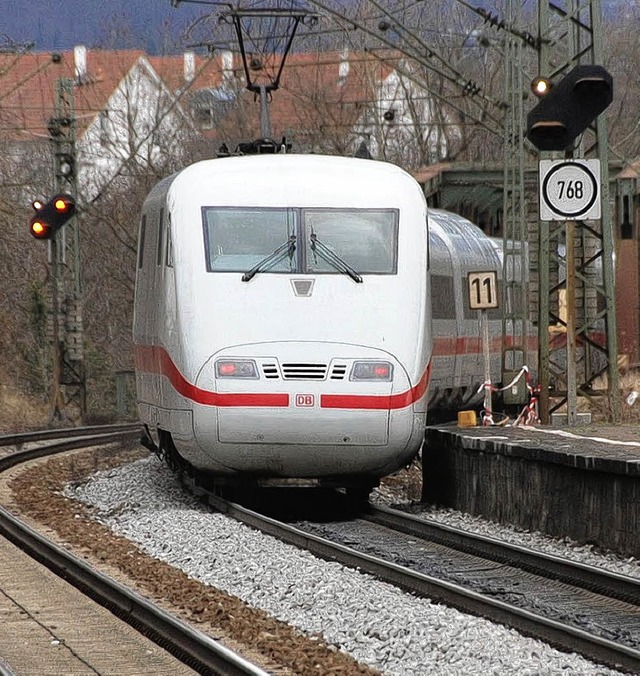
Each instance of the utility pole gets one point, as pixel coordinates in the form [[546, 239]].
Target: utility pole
[[69, 380], [516, 351]]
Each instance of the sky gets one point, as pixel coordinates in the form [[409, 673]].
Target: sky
[[63, 24]]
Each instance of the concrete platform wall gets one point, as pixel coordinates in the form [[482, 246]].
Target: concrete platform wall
[[508, 484]]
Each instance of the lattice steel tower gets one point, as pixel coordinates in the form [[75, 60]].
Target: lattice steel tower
[[516, 351], [577, 323], [69, 380], [570, 292]]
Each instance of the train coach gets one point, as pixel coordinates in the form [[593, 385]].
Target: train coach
[[296, 315]]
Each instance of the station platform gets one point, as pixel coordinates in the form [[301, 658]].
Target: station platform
[[580, 482]]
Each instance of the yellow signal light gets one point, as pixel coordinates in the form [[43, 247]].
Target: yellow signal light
[[52, 215], [38, 229]]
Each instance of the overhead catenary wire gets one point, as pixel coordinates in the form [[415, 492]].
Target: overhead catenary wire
[[413, 51]]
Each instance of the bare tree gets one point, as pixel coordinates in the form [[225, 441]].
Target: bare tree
[[622, 58], [140, 136]]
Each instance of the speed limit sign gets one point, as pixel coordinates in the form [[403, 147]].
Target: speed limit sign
[[569, 189]]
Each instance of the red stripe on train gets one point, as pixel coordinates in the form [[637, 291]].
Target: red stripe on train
[[380, 401], [155, 359], [444, 346], [462, 345]]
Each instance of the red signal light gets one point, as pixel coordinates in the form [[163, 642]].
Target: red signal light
[[50, 217]]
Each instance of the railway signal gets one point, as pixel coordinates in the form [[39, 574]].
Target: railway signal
[[52, 215], [569, 107]]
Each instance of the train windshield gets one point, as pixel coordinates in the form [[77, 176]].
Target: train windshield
[[237, 239], [365, 241]]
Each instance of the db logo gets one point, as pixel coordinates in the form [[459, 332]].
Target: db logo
[[305, 400]]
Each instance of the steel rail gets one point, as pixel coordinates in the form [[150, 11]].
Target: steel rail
[[19, 438], [613, 585], [199, 651], [564, 636], [25, 455]]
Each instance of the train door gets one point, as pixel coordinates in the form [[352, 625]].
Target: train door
[[141, 317], [140, 306], [170, 296], [157, 296], [445, 311]]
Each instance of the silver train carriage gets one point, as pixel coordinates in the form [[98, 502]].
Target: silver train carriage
[[283, 322]]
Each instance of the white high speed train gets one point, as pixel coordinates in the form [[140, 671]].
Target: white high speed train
[[295, 316]]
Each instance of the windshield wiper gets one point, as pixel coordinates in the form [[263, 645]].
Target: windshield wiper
[[332, 257], [284, 249]]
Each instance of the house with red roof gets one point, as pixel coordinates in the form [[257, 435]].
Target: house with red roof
[[137, 114], [125, 118], [326, 102]]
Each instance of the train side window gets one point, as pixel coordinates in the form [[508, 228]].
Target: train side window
[[428, 246], [143, 228], [160, 238], [443, 303], [169, 256]]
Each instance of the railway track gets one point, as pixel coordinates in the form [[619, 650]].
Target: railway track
[[194, 648], [599, 580], [574, 607], [507, 572]]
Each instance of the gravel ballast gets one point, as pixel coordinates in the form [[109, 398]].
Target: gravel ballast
[[374, 622]]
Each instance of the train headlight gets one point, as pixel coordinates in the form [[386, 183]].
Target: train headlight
[[371, 370], [236, 368]]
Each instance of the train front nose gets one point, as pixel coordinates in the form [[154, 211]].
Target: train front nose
[[305, 409]]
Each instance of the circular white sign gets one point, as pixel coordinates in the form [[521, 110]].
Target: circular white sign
[[569, 189]]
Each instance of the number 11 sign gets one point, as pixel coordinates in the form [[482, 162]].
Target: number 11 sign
[[483, 290]]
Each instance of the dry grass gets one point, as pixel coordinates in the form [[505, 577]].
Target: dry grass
[[629, 407], [405, 485], [19, 411]]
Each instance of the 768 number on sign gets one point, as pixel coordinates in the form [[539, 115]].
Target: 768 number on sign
[[570, 190]]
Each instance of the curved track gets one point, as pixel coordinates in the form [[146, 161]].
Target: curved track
[[192, 647], [497, 580]]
